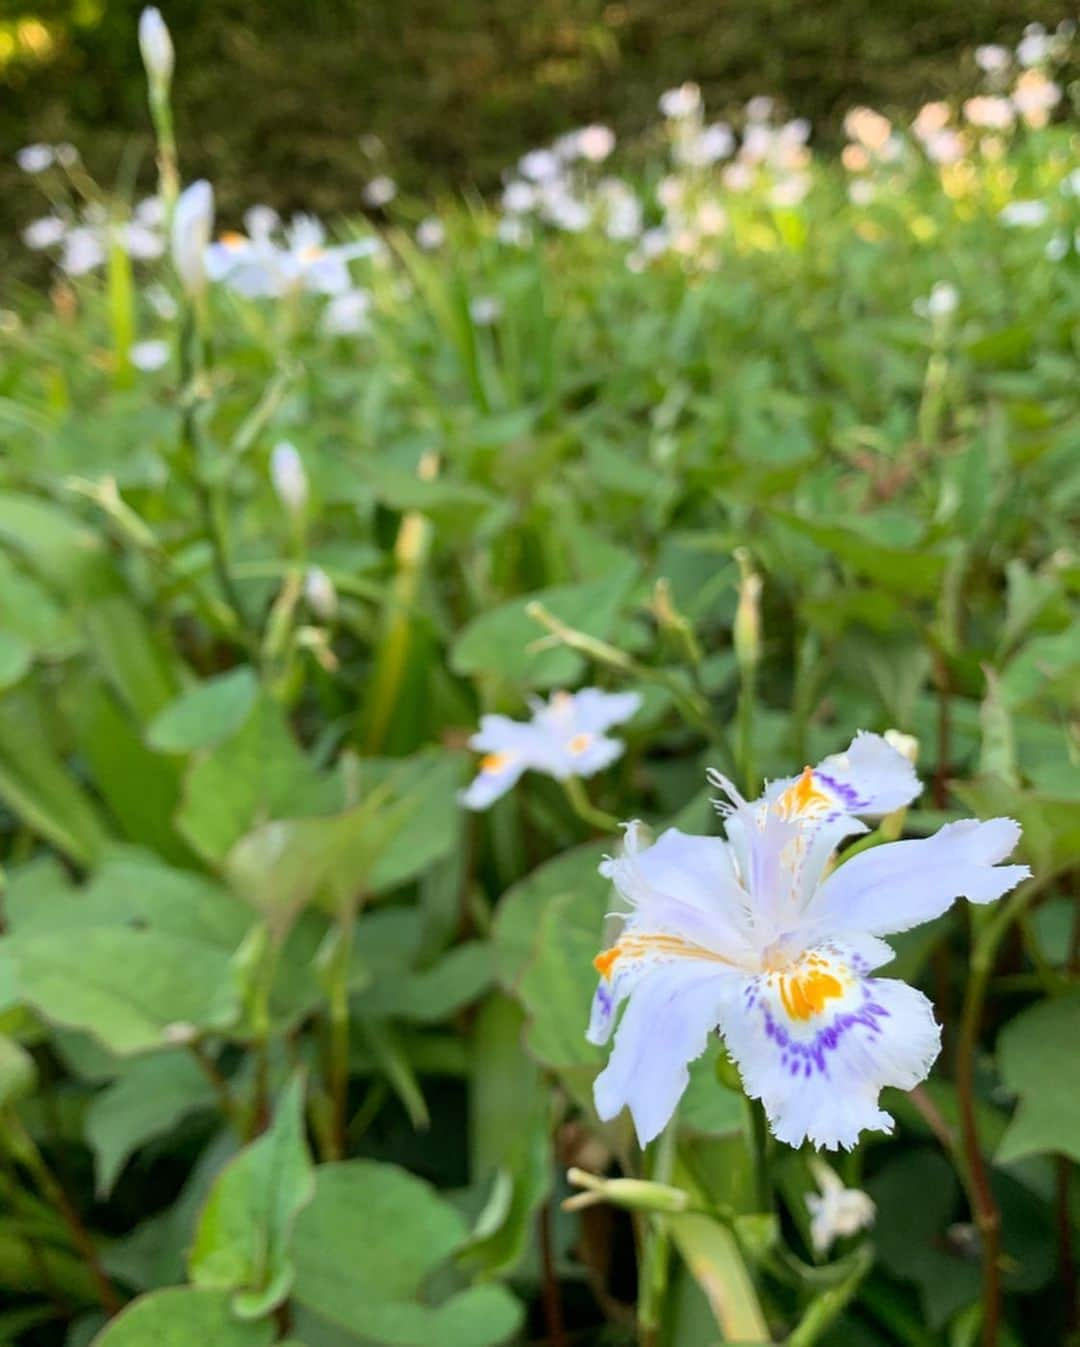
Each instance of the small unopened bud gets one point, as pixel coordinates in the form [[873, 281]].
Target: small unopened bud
[[156, 47], [633, 1194], [320, 593], [180, 1032], [747, 631], [193, 221], [905, 744], [288, 476]]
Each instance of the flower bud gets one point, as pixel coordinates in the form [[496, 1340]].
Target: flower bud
[[320, 593], [156, 47], [905, 744], [633, 1194], [288, 476], [192, 223], [747, 630]]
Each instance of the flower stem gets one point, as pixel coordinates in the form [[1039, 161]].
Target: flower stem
[[977, 1181], [48, 1185], [585, 809], [759, 1133], [656, 1243]]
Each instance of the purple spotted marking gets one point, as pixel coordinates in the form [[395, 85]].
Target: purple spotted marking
[[813, 1055], [847, 793]]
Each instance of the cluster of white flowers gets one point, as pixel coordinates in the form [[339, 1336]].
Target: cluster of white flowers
[[560, 187], [1018, 88], [82, 240]]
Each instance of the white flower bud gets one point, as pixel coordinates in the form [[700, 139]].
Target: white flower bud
[[193, 222], [156, 47], [288, 476], [320, 593], [905, 744]]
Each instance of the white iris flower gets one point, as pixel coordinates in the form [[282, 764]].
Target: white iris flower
[[757, 937], [566, 737], [836, 1212]]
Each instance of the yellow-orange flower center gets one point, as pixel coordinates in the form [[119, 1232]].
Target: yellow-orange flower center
[[804, 994], [494, 762], [802, 798], [580, 743]]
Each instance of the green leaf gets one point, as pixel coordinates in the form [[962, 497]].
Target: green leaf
[[205, 714], [257, 773], [364, 1249], [183, 1316], [517, 919], [16, 657], [242, 1241], [142, 671], [712, 1255], [904, 570], [132, 989], [499, 642], [40, 789], [1031, 1050], [140, 789], [148, 1099], [18, 1074], [710, 1106], [426, 996], [70, 557], [509, 1124]]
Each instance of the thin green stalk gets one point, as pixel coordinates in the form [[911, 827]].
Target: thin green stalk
[[656, 1243], [759, 1136], [26, 1151], [585, 809], [693, 707], [981, 1198]]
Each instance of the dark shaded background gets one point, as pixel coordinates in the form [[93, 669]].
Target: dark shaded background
[[273, 96]]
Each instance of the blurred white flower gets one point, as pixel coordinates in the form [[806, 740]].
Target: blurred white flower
[[595, 143], [514, 232], [156, 47], [1024, 214], [35, 158], [861, 191], [150, 355], [380, 191], [709, 146], [539, 165], [623, 213], [567, 212], [261, 221], [485, 310], [992, 58], [930, 119], [320, 593], [1070, 185], [837, 1211], [288, 476], [193, 220], [945, 146], [738, 177], [431, 233], [759, 108], [1057, 246], [566, 737], [150, 211], [161, 302], [348, 314], [940, 303], [989, 112], [1035, 46], [868, 128], [83, 251], [1035, 96], [518, 196], [791, 190], [140, 241], [675, 104], [46, 232]]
